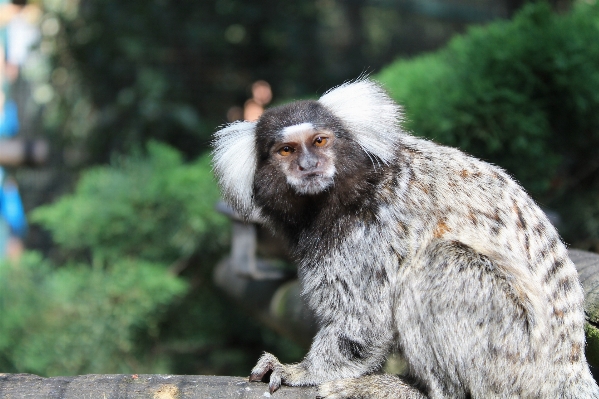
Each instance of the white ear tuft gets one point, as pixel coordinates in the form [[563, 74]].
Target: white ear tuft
[[234, 163], [369, 114]]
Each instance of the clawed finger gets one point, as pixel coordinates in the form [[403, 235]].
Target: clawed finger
[[258, 375], [275, 382]]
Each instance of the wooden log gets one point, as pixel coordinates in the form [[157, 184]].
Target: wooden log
[[142, 386], [587, 264]]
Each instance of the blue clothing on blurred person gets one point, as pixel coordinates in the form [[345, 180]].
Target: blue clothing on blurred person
[[9, 119], [11, 210]]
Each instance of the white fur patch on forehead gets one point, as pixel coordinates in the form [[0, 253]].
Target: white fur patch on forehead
[[234, 164], [369, 114], [295, 130]]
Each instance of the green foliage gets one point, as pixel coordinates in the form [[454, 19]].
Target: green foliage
[[78, 320], [523, 94], [152, 207], [592, 344]]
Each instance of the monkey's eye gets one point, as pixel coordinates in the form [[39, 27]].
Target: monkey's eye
[[320, 141], [285, 151]]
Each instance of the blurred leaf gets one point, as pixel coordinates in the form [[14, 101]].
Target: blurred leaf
[[77, 320], [152, 207]]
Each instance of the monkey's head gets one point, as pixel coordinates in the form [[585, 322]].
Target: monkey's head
[[306, 148]]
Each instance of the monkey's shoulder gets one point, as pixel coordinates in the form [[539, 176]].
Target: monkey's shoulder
[[434, 160], [444, 176]]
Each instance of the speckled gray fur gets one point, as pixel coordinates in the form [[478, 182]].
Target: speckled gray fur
[[415, 247]]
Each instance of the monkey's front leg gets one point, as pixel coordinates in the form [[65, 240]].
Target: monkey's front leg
[[376, 386], [338, 351]]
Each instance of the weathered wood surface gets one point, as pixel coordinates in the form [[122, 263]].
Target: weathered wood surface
[[146, 386], [587, 265]]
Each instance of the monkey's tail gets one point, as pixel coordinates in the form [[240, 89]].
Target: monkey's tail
[[375, 386], [585, 389]]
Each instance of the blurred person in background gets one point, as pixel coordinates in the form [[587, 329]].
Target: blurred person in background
[[261, 96], [18, 33]]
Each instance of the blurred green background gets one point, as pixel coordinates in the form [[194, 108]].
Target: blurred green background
[[117, 274]]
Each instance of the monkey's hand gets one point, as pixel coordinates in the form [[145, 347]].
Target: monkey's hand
[[269, 366]]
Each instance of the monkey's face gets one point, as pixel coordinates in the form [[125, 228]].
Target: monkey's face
[[297, 145], [305, 156]]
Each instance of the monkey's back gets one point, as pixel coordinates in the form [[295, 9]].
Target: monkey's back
[[453, 206]]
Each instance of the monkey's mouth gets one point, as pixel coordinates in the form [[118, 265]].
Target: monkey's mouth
[[310, 183], [312, 176]]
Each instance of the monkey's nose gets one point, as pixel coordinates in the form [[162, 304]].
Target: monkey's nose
[[308, 168], [307, 163]]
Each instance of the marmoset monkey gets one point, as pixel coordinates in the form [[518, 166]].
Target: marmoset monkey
[[406, 244]]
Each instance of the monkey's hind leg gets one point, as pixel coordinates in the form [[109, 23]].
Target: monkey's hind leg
[[376, 386]]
